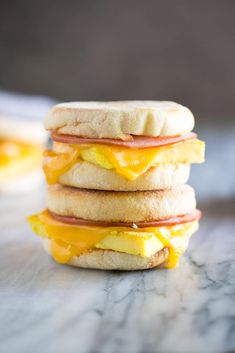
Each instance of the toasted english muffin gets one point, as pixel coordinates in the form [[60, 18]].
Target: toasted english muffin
[[90, 176], [113, 206], [113, 260], [121, 119]]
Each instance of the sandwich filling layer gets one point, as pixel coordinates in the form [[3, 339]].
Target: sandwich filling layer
[[69, 239], [128, 162]]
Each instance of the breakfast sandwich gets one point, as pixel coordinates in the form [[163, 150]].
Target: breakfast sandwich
[[21, 148], [117, 196]]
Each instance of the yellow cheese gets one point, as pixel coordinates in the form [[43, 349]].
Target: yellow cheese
[[18, 158], [128, 162], [140, 243], [55, 164], [72, 240]]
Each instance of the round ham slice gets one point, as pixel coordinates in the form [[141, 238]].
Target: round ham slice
[[190, 217], [136, 142]]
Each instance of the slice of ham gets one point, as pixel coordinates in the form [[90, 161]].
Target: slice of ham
[[186, 218], [136, 142]]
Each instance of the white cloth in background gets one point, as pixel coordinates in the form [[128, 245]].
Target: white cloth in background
[[24, 106], [21, 116]]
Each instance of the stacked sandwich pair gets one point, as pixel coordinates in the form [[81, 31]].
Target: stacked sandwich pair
[[117, 197]]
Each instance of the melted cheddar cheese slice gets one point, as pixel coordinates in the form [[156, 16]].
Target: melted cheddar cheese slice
[[128, 162], [17, 158], [72, 240]]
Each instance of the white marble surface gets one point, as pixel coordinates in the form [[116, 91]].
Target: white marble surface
[[48, 308]]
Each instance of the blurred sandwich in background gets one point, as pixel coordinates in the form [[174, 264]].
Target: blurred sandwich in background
[[22, 140]]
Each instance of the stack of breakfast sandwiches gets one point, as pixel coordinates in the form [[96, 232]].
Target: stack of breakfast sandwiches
[[117, 197]]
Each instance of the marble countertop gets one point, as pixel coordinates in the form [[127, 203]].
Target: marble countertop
[[48, 308]]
